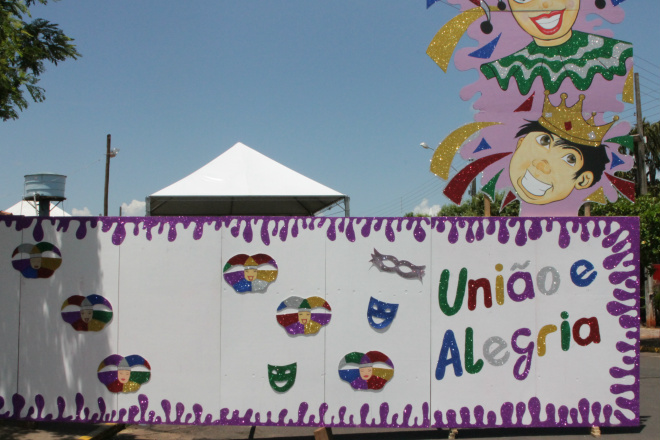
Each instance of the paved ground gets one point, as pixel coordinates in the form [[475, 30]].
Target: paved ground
[[649, 429]]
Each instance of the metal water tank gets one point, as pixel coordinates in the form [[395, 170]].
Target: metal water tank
[[44, 186]]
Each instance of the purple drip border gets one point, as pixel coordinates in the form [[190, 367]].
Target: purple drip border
[[623, 273]]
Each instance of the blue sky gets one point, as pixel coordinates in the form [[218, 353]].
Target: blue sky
[[341, 91]]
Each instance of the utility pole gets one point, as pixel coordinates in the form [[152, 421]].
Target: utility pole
[[640, 151], [640, 155], [108, 155], [107, 178]]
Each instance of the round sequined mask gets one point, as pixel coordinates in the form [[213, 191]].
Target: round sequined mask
[[124, 374], [39, 260], [250, 273], [303, 316], [371, 370], [87, 313]]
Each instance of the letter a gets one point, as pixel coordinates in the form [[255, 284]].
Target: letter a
[[449, 344]]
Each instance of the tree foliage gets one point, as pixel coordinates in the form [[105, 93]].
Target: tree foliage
[[24, 47], [474, 207]]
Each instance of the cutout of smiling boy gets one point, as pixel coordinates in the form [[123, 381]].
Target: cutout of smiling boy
[[558, 153]]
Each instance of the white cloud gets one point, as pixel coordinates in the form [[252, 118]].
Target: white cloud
[[134, 209], [424, 208], [85, 212]]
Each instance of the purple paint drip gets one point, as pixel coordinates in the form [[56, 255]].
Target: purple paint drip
[[331, 234], [80, 403], [143, 401], [503, 235], [350, 233], [284, 231], [133, 411], [389, 231]]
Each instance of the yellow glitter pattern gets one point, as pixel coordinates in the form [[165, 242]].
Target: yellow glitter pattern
[[444, 43], [540, 341], [597, 196], [131, 387], [315, 301], [267, 275], [444, 154], [312, 327], [629, 88], [383, 373]]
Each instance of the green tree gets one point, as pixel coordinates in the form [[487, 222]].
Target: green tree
[[24, 47], [474, 207]]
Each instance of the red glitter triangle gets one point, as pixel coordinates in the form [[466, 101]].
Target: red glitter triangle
[[509, 198], [459, 183], [625, 187], [476, 2], [527, 105]]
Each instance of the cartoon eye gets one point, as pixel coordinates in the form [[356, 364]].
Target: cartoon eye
[[570, 159], [544, 140]]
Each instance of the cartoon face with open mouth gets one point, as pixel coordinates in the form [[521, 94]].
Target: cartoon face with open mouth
[[282, 377], [549, 22], [543, 170]]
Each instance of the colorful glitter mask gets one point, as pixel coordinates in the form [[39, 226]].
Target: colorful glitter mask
[[248, 275], [124, 374], [366, 376], [39, 260], [303, 316], [87, 313]]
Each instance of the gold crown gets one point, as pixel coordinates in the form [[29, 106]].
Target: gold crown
[[568, 122]]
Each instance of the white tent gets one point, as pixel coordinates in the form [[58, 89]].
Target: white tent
[[28, 209], [242, 181]]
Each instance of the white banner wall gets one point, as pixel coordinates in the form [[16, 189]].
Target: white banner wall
[[370, 322]]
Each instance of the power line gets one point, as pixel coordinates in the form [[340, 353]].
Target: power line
[[397, 205], [424, 191], [637, 57], [647, 71]]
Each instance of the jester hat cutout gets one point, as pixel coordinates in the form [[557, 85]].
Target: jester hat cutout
[[39, 260], [87, 313], [282, 377], [382, 312], [310, 315], [366, 376], [124, 374], [248, 275]]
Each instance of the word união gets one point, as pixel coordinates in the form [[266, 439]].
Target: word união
[[582, 275]]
